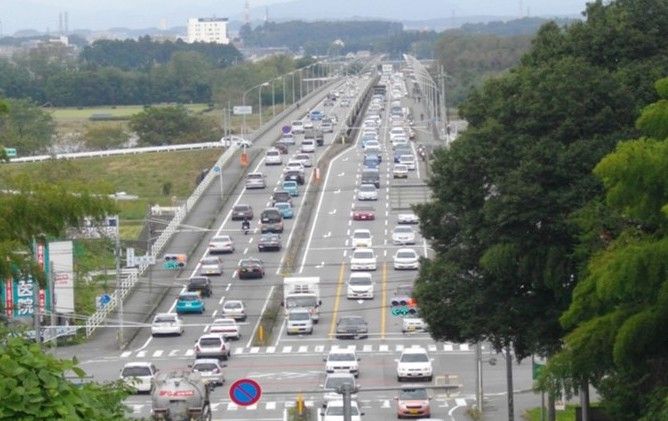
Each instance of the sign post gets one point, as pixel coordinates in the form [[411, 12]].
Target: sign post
[[219, 171]]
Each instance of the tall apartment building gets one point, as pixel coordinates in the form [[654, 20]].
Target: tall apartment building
[[208, 30]]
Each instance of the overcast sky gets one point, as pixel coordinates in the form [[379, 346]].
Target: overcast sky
[[96, 14]]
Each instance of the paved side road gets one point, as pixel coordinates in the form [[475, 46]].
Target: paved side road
[[206, 214]]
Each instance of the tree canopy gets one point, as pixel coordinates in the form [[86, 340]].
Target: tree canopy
[[157, 126], [26, 127], [38, 386], [623, 297], [506, 190]]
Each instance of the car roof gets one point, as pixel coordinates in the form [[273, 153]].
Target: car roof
[[414, 350], [233, 301], [211, 336], [224, 319], [343, 375], [189, 293], [138, 364], [166, 314], [206, 361]]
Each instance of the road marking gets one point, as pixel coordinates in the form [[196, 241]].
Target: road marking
[[250, 240], [271, 349], [367, 348], [270, 406], [157, 353], [337, 300], [329, 234], [383, 305], [220, 302], [232, 406], [303, 348], [173, 353], [255, 350], [447, 347], [126, 354], [206, 327], [320, 348], [332, 212], [148, 341], [337, 191], [246, 250], [383, 348], [190, 352], [317, 211], [259, 319], [227, 288], [463, 347], [213, 315], [286, 349], [399, 347], [280, 332], [386, 403], [141, 354]]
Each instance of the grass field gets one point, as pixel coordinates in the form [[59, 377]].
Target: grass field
[[143, 175], [65, 114], [566, 415]]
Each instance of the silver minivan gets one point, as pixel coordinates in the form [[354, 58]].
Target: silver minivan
[[255, 180]]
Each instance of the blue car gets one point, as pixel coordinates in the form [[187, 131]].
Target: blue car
[[286, 209], [315, 115], [291, 187], [190, 302], [371, 161]]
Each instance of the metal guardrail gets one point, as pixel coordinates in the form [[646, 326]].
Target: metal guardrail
[[127, 151], [97, 318]]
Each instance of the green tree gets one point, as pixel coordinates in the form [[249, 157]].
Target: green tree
[[26, 127], [105, 136], [34, 386], [170, 125], [619, 312]]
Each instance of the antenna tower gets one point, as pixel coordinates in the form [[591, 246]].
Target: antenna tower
[[247, 10]]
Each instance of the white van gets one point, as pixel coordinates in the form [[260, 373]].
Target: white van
[[308, 146]]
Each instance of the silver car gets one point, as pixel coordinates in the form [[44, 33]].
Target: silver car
[[255, 180], [367, 192], [211, 265], [210, 370]]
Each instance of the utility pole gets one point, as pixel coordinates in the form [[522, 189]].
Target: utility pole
[[36, 314], [478, 377], [445, 108], [346, 390], [52, 302], [509, 379], [119, 287]]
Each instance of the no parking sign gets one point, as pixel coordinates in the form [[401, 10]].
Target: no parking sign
[[245, 392]]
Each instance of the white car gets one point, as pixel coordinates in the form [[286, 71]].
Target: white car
[[236, 140], [363, 259], [414, 363], [334, 411], [294, 165], [333, 382], [234, 309], [398, 142], [273, 157], [308, 124], [342, 360], [210, 370], [212, 345], [360, 285], [166, 324], [139, 375], [304, 158], [299, 320], [221, 244], [287, 139], [227, 327], [408, 160], [397, 132], [308, 146], [413, 325], [371, 146], [406, 258], [298, 127], [402, 234], [211, 265], [367, 192], [255, 180], [362, 238], [400, 171], [407, 219]]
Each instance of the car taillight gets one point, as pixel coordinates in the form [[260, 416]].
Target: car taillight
[[197, 348], [216, 370]]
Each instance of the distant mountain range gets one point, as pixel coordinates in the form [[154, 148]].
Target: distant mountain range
[[41, 15]]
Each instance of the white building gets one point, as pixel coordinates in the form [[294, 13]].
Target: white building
[[208, 30]]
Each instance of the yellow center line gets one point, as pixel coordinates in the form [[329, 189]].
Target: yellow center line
[[383, 305], [337, 301]]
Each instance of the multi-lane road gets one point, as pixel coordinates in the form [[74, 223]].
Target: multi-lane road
[[293, 364]]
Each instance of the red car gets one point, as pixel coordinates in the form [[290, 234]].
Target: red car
[[364, 213]]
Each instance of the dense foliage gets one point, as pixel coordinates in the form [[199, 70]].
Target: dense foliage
[[158, 126], [116, 73], [38, 386], [25, 127], [512, 191], [623, 296]]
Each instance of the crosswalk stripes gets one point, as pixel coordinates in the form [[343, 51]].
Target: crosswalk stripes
[[433, 348], [228, 406]]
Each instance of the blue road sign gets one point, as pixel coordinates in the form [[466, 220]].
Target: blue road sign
[[286, 129], [245, 392], [216, 169]]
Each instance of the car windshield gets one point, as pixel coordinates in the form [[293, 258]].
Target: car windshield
[[205, 367], [405, 254], [338, 411], [224, 323], [363, 255], [360, 281], [362, 234], [210, 261], [342, 357], [273, 153], [351, 321], [413, 394], [241, 208], [414, 358], [367, 188], [299, 315], [335, 382], [223, 238], [255, 176], [403, 230], [197, 282], [136, 371], [282, 205], [188, 298], [165, 319], [294, 302], [209, 342], [232, 305]]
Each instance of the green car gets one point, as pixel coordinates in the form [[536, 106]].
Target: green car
[[291, 187]]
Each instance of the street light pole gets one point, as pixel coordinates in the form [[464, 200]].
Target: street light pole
[[259, 97], [273, 99]]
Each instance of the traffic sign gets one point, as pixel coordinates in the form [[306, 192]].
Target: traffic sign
[[245, 392], [286, 129], [216, 169], [103, 300], [242, 110], [400, 311]]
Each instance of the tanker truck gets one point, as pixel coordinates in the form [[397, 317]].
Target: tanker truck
[[180, 395]]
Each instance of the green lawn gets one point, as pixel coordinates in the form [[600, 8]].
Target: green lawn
[[143, 175], [566, 415]]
